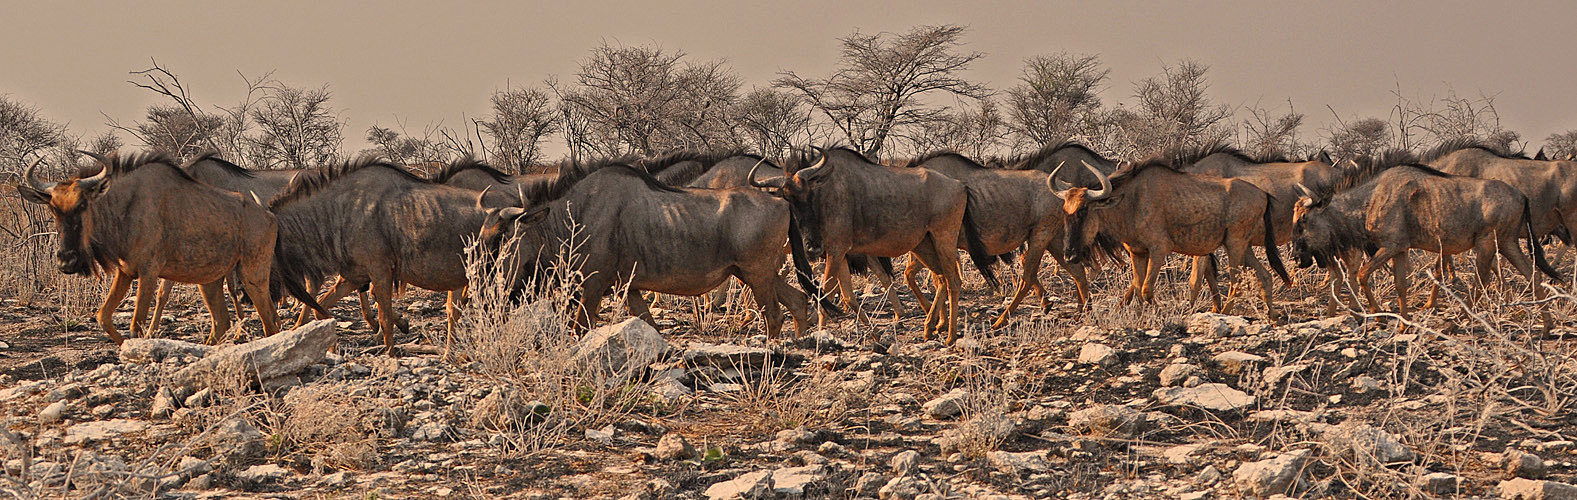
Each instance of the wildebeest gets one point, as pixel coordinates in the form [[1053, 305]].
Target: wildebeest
[[845, 203], [1021, 213], [632, 229], [1273, 174], [1154, 210], [1409, 205], [371, 222], [1551, 186], [146, 219]]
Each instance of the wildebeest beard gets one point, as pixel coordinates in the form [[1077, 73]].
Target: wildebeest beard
[[808, 214], [1076, 251]]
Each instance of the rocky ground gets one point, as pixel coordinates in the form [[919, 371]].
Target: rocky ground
[[1153, 402]]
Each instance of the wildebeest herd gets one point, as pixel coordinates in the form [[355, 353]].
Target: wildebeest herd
[[684, 223]]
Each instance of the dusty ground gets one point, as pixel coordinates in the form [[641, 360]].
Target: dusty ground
[[1059, 404]]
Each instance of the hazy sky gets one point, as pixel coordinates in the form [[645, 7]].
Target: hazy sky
[[421, 63]]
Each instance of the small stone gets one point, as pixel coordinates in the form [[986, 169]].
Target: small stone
[[1366, 443], [1214, 396], [52, 413], [1365, 383], [1274, 375], [603, 435], [1108, 420], [674, 447], [619, 351], [1440, 483], [1532, 489], [1217, 325], [904, 463], [903, 488], [88, 432], [1018, 463], [1271, 477], [1180, 454], [1097, 354], [797, 436], [431, 431], [750, 485], [259, 474], [163, 403], [200, 398], [1176, 373], [1209, 476], [792, 482], [1237, 362], [1523, 464], [947, 405], [868, 484]]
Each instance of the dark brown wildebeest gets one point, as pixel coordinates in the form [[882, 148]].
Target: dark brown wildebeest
[[371, 222], [635, 230], [845, 203], [1551, 186], [211, 169], [1414, 206], [146, 219], [1022, 213], [1154, 210], [469, 173], [1274, 174]]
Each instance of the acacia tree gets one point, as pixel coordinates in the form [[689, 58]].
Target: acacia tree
[[1173, 110], [1057, 97], [406, 149], [521, 119], [296, 128], [1267, 134], [1561, 146], [24, 133], [645, 100], [975, 131], [770, 120], [882, 78], [1360, 138]]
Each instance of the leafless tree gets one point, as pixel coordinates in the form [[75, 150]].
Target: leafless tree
[[1057, 97], [1173, 110], [1561, 145], [645, 100], [182, 127], [521, 119], [881, 79], [770, 120], [1268, 134], [406, 149], [296, 128], [24, 133], [1360, 138], [976, 131]]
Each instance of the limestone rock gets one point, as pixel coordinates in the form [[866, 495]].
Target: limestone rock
[[1531, 489], [1217, 325], [144, 351], [1215, 397], [1366, 443], [674, 447], [1108, 420], [88, 432], [281, 354], [947, 405], [747, 486], [726, 356], [619, 351], [1271, 477], [1175, 373], [1019, 463], [1237, 362], [1097, 354]]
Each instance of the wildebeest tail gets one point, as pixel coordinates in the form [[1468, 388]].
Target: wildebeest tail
[[1271, 253], [807, 281], [1534, 247], [288, 274], [977, 250]]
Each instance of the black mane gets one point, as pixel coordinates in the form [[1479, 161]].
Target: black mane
[[120, 165], [701, 161], [546, 190], [465, 163], [1371, 166], [1130, 170], [226, 165], [943, 153], [1460, 143], [307, 183], [1028, 161], [801, 158]]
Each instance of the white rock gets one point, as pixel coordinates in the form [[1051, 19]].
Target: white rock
[[281, 354], [52, 413], [1531, 489], [144, 351], [1237, 362], [1217, 325], [1097, 354], [1440, 483], [1366, 443], [431, 431], [792, 481], [750, 485], [905, 463], [1273, 376], [258, 474], [1271, 477], [673, 446], [619, 351], [947, 405], [1108, 420], [1284, 416], [1365, 383], [1215, 397], [603, 435], [1176, 373], [87, 432], [1179, 454], [1028, 462]]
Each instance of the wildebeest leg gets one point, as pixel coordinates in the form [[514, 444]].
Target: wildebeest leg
[[214, 298], [1027, 280], [112, 300], [1381, 257], [1157, 259], [147, 288], [1244, 256], [457, 298], [796, 302], [158, 307], [910, 269], [1141, 266], [1203, 272], [1400, 268], [383, 294], [343, 287], [1484, 261], [932, 313], [366, 307], [764, 287], [942, 260], [635, 304], [1523, 264], [837, 271], [305, 315], [254, 279], [232, 284]]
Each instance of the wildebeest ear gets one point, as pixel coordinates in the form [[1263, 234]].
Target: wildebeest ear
[[1541, 156], [533, 215], [33, 195], [1324, 157]]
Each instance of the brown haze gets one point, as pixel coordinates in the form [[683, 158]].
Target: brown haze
[[422, 63]]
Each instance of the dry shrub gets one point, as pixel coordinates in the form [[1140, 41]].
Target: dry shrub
[[777, 399], [332, 429], [524, 341]]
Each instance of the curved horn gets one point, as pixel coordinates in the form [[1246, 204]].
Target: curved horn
[[774, 182], [481, 195], [33, 181], [1304, 190], [521, 192], [813, 170], [92, 182], [1106, 183], [1060, 186]]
